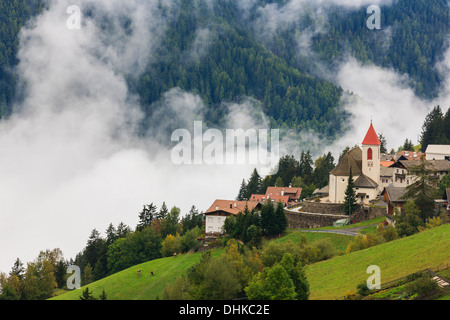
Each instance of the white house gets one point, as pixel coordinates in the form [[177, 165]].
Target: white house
[[438, 152], [216, 214]]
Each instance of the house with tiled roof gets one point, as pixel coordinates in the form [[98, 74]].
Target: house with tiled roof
[[221, 209], [409, 155], [286, 195]]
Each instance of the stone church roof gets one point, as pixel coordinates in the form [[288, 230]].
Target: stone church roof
[[351, 160]]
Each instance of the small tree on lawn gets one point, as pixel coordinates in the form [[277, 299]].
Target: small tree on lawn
[[87, 295], [350, 202]]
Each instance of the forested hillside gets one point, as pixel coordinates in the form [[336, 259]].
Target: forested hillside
[[216, 51], [13, 15]]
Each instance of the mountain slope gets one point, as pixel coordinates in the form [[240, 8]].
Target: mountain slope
[[331, 279]]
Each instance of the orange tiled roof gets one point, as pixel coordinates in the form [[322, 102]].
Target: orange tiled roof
[[293, 193], [231, 206], [386, 163]]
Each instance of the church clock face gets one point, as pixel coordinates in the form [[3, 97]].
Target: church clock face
[[370, 164]]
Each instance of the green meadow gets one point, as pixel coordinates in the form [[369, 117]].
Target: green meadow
[[330, 279]]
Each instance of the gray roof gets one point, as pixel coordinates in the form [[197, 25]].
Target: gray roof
[[351, 160], [395, 193], [434, 165], [386, 171], [364, 181], [324, 190], [438, 149]]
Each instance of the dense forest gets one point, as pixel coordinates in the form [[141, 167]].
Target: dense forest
[[13, 16], [235, 62]]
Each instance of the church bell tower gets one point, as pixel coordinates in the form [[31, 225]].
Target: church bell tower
[[371, 146]]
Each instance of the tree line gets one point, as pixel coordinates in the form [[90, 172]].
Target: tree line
[[302, 173]]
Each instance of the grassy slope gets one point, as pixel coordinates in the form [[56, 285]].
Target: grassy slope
[[328, 279], [331, 279], [339, 241], [126, 285]]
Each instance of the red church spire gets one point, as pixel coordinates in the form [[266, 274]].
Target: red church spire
[[371, 137]]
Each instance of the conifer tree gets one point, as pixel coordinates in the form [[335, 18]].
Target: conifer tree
[[242, 192], [17, 269], [433, 129], [281, 219], [350, 202], [146, 216], [254, 184], [162, 214]]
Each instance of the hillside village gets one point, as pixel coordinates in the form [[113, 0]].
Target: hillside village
[[380, 180]]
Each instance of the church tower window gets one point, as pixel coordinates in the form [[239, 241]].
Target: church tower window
[[369, 154]]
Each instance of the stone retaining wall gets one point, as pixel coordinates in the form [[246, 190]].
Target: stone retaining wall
[[325, 214], [307, 220]]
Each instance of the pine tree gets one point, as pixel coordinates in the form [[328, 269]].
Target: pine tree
[[103, 296], [242, 192], [254, 184], [268, 219], [350, 202], [87, 295], [17, 269], [408, 145], [162, 214], [382, 139], [111, 234], [122, 230], [432, 129], [447, 126], [281, 219], [146, 216]]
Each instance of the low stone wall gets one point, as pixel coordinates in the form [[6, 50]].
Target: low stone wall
[[308, 220], [316, 215], [318, 207]]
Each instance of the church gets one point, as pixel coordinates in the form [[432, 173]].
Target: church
[[364, 164]]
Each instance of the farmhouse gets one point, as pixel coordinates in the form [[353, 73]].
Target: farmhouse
[[216, 214]]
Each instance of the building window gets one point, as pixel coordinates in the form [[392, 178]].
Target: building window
[[369, 154]]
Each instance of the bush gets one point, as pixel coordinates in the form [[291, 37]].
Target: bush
[[362, 289], [325, 249], [421, 286]]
